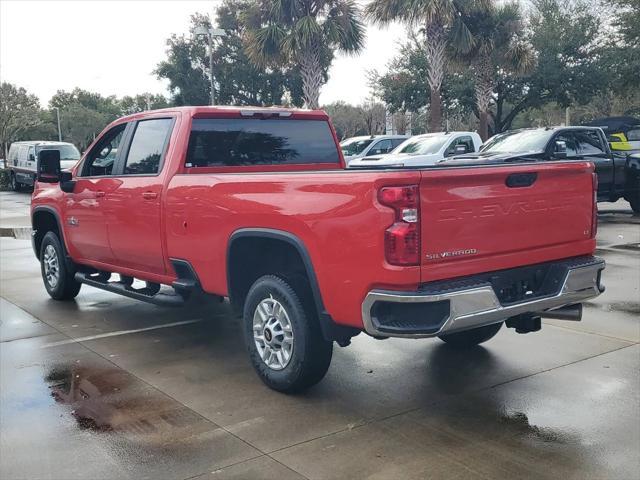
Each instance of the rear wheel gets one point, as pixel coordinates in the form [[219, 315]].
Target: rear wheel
[[283, 337], [635, 203], [58, 279], [471, 338], [14, 183]]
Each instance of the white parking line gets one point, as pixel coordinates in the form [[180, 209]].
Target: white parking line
[[120, 332]]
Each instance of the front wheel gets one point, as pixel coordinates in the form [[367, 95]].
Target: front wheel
[[283, 336], [471, 338], [58, 279]]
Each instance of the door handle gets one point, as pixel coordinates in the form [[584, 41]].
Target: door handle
[[517, 180], [149, 195], [100, 194]]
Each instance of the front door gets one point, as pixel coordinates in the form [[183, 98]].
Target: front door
[[133, 209], [84, 214], [592, 148]]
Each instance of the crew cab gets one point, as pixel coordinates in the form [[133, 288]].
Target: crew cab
[[618, 174], [255, 204], [423, 150]]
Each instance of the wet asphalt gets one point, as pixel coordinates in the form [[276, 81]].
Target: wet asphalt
[[107, 388]]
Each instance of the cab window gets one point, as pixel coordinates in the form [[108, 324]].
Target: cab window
[[589, 142], [102, 157], [466, 142], [382, 147], [147, 147], [570, 141]]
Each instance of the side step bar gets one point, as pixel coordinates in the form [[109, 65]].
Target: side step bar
[[144, 294]]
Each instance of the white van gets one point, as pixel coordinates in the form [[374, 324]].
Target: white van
[[23, 156]]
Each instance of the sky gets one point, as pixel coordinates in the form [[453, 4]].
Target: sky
[[112, 47]]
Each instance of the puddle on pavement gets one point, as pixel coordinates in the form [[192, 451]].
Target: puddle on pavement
[[20, 233], [108, 399]]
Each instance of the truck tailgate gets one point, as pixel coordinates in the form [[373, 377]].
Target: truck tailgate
[[481, 219]]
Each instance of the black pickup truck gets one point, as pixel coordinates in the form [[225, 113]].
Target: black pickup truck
[[618, 174]]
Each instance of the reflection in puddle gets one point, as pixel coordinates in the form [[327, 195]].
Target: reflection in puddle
[[105, 399], [520, 422]]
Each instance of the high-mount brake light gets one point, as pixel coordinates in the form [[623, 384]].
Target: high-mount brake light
[[402, 239]]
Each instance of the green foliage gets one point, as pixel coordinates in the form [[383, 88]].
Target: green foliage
[[350, 120], [238, 81], [18, 112], [304, 33]]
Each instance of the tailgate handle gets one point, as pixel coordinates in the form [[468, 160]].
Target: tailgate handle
[[516, 180]]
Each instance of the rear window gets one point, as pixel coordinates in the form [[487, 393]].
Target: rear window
[[240, 142]]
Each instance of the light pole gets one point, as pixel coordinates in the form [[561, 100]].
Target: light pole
[[58, 116], [210, 33]]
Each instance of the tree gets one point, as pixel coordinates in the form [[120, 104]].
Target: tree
[[440, 23], [238, 80], [19, 111], [346, 119], [304, 33], [499, 48], [141, 102]]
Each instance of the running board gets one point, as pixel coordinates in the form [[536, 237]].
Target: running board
[[143, 294]]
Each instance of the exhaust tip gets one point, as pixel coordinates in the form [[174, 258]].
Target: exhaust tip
[[568, 312]]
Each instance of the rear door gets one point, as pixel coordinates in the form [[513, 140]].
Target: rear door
[[481, 219], [133, 209]]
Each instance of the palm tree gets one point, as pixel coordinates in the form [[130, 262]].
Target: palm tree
[[499, 49], [441, 23], [304, 32]]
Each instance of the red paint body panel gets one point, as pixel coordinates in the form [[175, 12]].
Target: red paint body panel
[[334, 212]]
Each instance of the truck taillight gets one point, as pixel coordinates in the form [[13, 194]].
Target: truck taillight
[[594, 218], [402, 239]]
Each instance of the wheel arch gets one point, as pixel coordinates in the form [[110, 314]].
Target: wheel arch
[[236, 289], [45, 219]]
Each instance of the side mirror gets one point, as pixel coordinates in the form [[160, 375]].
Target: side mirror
[[49, 166], [32, 157], [560, 149]]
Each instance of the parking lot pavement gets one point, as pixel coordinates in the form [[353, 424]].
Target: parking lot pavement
[[107, 387]]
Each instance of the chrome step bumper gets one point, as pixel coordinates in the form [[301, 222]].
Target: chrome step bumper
[[459, 308]]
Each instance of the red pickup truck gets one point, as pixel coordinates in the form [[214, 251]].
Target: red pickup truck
[[255, 204]]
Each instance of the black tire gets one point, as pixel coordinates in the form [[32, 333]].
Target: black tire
[[471, 338], [635, 204], [66, 287], [310, 355], [16, 186]]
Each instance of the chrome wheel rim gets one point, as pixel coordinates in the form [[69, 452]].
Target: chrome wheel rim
[[51, 266], [273, 333]]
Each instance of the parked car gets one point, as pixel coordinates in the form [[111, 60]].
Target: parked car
[[424, 150], [618, 175], [22, 160], [255, 204], [360, 147], [623, 133]]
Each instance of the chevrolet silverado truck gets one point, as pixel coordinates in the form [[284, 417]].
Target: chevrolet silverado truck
[[256, 205], [618, 173]]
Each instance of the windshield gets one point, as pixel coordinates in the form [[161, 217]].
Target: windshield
[[518, 141], [354, 146], [421, 146], [67, 152]]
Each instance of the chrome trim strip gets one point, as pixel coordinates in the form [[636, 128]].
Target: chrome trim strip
[[476, 307]]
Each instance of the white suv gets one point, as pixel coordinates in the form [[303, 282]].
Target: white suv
[[424, 150], [360, 147]]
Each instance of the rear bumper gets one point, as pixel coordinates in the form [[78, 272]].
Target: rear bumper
[[471, 302]]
